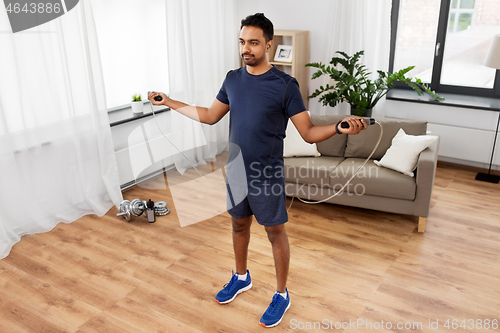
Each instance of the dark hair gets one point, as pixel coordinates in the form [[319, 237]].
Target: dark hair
[[260, 21]]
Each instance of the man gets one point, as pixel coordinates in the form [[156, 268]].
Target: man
[[261, 99]]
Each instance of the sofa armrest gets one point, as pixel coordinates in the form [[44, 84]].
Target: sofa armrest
[[425, 172]]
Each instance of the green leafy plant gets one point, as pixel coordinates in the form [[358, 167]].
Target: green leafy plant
[[352, 83], [136, 98]]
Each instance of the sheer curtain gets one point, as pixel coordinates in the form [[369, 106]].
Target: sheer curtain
[[202, 40], [133, 59], [358, 25], [56, 154]]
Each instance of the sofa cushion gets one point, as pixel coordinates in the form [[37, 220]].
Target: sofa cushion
[[372, 180], [361, 145], [403, 154], [294, 144], [310, 170], [335, 145]]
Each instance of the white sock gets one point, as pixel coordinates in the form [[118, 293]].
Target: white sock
[[242, 277], [282, 294]]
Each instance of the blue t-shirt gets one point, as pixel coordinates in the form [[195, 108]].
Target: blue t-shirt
[[260, 106]]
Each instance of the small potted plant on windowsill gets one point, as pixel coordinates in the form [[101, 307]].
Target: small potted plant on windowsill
[[352, 84], [137, 104]]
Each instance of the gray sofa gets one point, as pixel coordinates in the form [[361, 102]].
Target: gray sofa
[[378, 188]]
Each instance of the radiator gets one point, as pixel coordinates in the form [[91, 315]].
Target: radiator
[[465, 143], [143, 159]]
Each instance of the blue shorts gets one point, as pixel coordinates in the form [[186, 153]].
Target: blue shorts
[[267, 203]]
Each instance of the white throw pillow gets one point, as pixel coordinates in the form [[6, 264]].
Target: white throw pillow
[[405, 149], [294, 145]]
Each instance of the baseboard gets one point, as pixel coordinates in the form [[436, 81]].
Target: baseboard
[[137, 181], [478, 165]]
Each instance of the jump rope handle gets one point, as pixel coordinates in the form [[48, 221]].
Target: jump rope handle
[[157, 98], [368, 121]]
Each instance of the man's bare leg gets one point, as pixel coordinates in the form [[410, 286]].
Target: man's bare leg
[[241, 239], [281, 253]]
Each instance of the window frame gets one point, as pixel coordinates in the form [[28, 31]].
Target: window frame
[[437, 65]]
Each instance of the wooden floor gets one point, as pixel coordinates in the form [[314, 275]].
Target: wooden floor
[[348, 266]]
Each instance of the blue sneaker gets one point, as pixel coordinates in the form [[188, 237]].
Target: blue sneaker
[[233, 288], [276, 310]]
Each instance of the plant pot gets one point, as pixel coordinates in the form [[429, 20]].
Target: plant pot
[[368, 112], [137, 107]]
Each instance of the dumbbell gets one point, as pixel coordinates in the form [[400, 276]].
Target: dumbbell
[[139, 207], [136, 208]]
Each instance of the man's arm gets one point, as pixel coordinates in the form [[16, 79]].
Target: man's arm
[[313, 133], [209, 115]]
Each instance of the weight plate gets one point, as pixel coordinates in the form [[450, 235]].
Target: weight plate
[[137, 207], [165, 212], [160, 204], [124, 210]]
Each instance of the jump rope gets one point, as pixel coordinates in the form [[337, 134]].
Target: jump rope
[[368, 121]]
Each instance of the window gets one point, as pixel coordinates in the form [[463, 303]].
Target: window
[[460, 15], [132, 43], [447, 41]]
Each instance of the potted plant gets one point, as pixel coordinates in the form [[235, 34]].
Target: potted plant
[[352, 84], [137, 104]]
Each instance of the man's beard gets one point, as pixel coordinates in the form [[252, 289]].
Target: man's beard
[[252, 61]]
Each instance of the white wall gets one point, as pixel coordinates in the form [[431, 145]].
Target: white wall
[[301, 15], [294, 15]]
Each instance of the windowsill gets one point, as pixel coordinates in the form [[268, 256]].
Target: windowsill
[[463, 101], [125, 115]]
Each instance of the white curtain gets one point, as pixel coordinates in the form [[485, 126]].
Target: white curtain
[[202, 38], [132, 46], [56, 153], [357, 25]]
